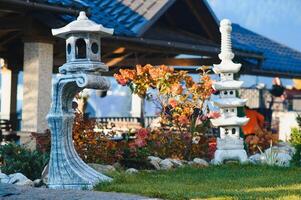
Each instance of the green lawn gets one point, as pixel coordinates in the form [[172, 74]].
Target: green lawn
[[215, 182]]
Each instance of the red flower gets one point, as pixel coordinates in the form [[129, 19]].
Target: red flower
[[140, 142], [142, 133], [173, 102], [119, 78], [183, 120], [177, 89]]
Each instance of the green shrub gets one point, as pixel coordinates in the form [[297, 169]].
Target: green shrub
[[296, 141], [18, 159], [295, 136]]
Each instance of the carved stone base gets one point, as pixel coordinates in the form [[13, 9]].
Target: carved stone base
[[234, 154], [66, 169]]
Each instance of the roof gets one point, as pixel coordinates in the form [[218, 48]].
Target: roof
[[133, 17], [82, 24], [127, 17], [277, 57]]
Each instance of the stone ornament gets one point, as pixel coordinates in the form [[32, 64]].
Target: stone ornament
[[82, 45], [82, 70], [229, 145]]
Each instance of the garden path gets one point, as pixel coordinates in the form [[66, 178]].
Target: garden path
[[13, 192]]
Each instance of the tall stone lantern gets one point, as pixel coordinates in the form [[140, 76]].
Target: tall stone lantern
[[82, 70], [229, 144]]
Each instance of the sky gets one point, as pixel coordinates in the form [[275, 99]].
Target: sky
[[279, 20]]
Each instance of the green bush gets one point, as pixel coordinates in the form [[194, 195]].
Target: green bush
[[18, 159], [296, 141], [295, 136]]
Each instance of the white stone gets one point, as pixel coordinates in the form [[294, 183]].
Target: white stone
[[155, 164], [166, 164], [231, 154], [176, 163], [283, 160], [117, 165], [257, 159], [200, 162], [286, 148], [102, 168], [282, 156], [4, 178], [131, 171], [190, 163], [19, 179], [38, 182], [157, 159], [154, 161]]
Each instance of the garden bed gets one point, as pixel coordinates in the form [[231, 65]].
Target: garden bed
[[215, 182]]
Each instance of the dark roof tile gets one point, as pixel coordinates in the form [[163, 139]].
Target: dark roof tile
[[278, 57]]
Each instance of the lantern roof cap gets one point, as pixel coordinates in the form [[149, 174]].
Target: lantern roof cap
[[231, 102], [228, 85], [82, 25], [229, 121]]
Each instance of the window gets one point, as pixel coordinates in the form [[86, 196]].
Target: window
[[94, 48], [233, 131], [69, 48], [80, 47]]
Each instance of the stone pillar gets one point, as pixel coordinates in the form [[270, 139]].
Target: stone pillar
[[6, 76], [38, 63], [137, 109], [136, 106]]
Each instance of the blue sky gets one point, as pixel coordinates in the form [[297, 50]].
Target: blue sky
[[279, 20]]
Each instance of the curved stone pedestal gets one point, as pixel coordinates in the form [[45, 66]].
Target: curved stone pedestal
[[66, 168], [230, 154]]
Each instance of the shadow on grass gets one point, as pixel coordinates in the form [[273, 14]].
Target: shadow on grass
[[215, 182]]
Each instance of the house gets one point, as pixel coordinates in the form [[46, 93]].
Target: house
[[154, 32]]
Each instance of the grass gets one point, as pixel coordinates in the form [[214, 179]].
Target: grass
[[214, 182]]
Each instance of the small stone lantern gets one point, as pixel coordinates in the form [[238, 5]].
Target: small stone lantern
[[82, 70], [82, 45], [229, 145]]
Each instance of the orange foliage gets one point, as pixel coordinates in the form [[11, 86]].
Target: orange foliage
[[181, 98]]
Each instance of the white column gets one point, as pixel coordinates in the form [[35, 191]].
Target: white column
[[6, 77], [136, 107], [38, 63]]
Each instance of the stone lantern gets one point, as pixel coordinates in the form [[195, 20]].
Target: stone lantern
[[82, 45], [229, 145], [82, 70]]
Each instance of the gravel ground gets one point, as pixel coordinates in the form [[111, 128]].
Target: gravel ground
[[13, 192]]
